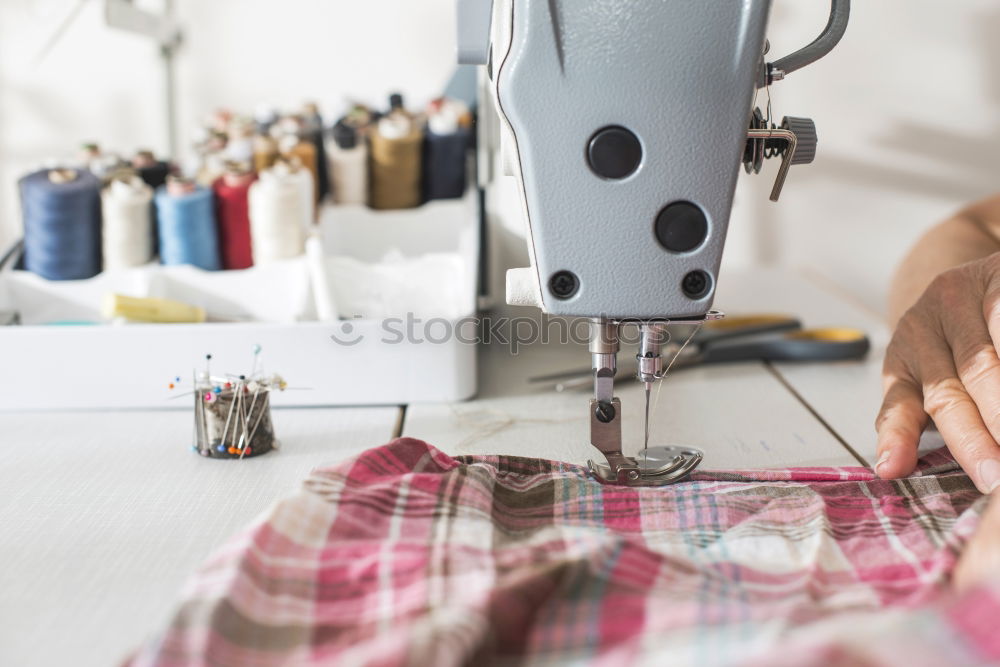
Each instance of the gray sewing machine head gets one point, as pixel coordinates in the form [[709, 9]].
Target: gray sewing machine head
[[626, 124]]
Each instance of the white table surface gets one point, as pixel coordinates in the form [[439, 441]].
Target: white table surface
[[104, 515]]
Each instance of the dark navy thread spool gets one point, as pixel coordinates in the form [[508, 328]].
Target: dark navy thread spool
[[446, 164], [62, 223], [312, 131], [446, 150], [187, 229]]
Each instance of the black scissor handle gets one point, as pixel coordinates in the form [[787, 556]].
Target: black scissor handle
[[833, 344]]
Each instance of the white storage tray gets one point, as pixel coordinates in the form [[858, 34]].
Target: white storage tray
[[77, 366]]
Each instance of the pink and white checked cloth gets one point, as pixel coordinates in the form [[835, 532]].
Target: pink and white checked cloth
[[405, 556]]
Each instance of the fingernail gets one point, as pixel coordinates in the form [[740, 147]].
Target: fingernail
[[882, 460], [989, 474]]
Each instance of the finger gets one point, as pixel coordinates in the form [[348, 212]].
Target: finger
[[958, 420], [991, 310], [900, 422], [975, 358]]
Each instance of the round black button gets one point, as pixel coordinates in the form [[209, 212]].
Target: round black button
[[614, 153], [681, 227]]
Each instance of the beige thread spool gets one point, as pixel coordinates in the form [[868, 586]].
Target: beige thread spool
[[395, 163], [347, 152]]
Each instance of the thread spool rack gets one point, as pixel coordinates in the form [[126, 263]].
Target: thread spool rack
[[57, 358]]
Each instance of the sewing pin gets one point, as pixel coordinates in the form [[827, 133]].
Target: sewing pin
[[246, 425], [225, 429]]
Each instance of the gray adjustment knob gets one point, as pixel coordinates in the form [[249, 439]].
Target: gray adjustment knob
[[805, 134]]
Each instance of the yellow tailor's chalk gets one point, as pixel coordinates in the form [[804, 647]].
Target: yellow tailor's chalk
[[151, 310]]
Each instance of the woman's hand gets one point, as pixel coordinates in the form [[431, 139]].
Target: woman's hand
[[942, 364]]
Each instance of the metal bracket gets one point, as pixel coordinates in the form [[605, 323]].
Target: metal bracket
[[840, 13], [787, 156], [167, 33], [124, 15]]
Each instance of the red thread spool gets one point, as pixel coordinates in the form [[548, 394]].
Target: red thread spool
[[233, 214]]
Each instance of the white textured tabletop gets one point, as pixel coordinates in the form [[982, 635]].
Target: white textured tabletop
[[105, 514]]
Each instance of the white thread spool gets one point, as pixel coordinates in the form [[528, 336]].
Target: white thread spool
[[127, 232], [280, 210], [289, 146], [306, 182], [348, 159]]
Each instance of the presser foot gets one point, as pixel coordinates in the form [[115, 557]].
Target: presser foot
[[656, 466]]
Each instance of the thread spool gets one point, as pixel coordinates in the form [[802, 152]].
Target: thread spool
[[360, 119], [219, 120], [348, 157], [232, 208], [89, 151], [294, 149], [153, 172], [265, 152], [396, 169], [312, 131], [294, 170], [280, 208], [127, 233], [240, 146], [213, 167], [264, 118], [186, 217], [61, 211], [446, 150]]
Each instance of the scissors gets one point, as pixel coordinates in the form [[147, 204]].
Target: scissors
[[750, 338]]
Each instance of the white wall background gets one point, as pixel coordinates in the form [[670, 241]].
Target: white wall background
[[907, 107]]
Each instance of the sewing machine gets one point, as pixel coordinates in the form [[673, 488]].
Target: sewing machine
[[625, 124]]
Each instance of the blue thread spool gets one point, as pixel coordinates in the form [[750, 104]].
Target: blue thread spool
[[187, 229], [62, 223]]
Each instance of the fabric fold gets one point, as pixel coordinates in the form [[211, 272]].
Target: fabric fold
[[407, 556]]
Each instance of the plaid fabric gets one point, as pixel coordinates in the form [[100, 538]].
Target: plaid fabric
[[406, 556]]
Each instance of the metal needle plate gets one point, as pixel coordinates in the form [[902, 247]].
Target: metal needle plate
[[659, 466]]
